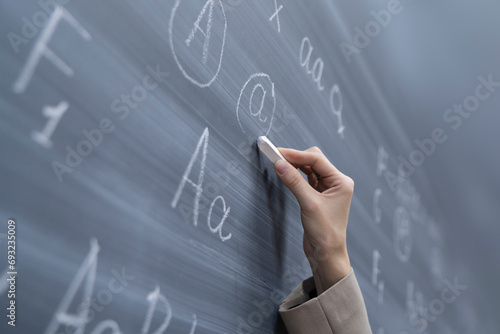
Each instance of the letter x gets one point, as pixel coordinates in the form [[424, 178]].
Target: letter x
[[276, 14]]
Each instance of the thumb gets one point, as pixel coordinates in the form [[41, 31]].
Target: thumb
[[291, 177]]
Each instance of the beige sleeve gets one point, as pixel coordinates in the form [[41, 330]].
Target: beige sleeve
[[339, 310]]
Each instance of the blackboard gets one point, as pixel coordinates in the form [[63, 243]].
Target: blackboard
[[140, 202]]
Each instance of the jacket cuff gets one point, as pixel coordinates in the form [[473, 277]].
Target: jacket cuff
[[340, 309]]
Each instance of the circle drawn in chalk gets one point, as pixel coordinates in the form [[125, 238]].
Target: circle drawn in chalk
[[207, 62], [255, 110], [402, 234]]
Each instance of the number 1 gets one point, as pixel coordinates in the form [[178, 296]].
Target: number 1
[[54, 114]]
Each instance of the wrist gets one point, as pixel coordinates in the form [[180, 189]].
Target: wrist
[[329, 271]]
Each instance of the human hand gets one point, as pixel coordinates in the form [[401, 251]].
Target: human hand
[[324, 206]]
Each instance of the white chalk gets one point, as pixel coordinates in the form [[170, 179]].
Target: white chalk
[[269, 149]]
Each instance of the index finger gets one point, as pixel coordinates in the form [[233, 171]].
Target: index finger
[[316, 160]]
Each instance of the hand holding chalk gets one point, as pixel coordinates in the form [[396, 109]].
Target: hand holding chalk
[[324, 202]]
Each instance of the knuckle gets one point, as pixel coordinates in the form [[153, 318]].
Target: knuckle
[[294, 180], [348, 184], [315, 149]]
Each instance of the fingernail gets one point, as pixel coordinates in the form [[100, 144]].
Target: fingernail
[[281, 166]]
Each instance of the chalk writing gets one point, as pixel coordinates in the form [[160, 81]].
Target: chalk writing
[[337, 105], [54, 114], [41, 49], [207, 71], [381, 160], [316, 71], [198, 186], [257, 121], [377, 211], [402, 234], [85, 276], [379, 284], [276, 14]]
